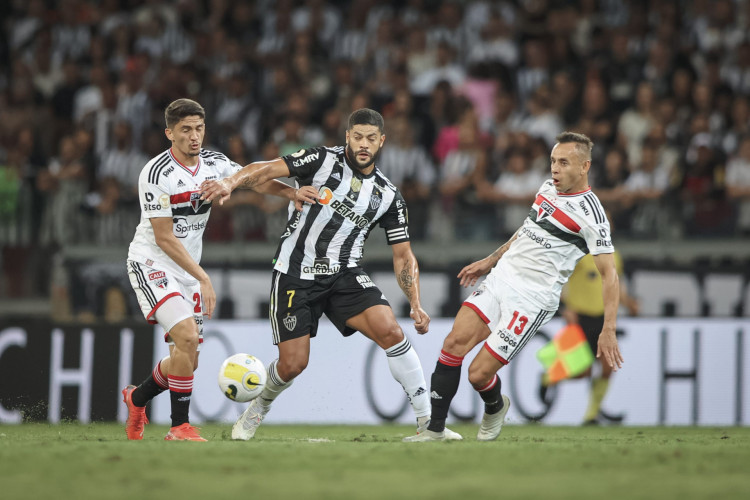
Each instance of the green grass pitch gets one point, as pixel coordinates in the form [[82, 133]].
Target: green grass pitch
[[95, 461]]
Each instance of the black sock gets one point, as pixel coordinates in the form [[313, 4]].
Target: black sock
[[493, 400], [147, 391], [443, 387], [180, 407]]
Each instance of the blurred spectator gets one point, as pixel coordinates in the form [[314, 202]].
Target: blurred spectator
[[738, 185], [637, 120], [463, 168], [408, 166], [513, 191], [65, 183], [705, 208], [446, 69], [644, 190]]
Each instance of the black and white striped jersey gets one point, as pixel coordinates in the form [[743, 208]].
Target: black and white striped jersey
[[325, 237]]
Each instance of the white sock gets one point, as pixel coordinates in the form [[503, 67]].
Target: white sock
[[275, 385], [407, 370]]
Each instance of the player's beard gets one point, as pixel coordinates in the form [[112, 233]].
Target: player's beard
[[353, 157]]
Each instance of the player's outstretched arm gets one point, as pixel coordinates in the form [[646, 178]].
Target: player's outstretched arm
[[407, 275], [167, 241], [249, 177], [607, 345], [471, 273]]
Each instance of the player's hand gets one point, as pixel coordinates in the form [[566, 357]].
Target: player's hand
[[421, 320], [609, 349], [209, 297], [305, 194], [216, 190], [471, 273]]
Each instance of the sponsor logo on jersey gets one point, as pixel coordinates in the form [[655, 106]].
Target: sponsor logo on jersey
[[402, 219], [359, 220], [336, 176], [298, 153], [149, 205], [326, 195], [210, 163], [504, 335], [356, 184], [156, 275], [545, 210], [182, 227], [211, 177], [159, 278], [164, 200], [307, 159], [542, 241], [606, 241], [321, 265], [168, 171], [290, 322], [149, 262], [365, 281], [180, 183], [583, 207]]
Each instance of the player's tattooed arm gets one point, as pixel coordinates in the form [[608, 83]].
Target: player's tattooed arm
[[406, 280], [495, 256], [407, 275]]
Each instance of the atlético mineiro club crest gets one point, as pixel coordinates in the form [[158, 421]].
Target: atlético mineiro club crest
[[290, 322], [545, 210], [195, 201]]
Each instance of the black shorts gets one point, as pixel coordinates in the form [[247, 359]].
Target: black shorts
[[296, 305], [592, 327]]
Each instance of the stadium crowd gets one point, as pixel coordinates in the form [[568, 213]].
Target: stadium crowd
[[473, 94]]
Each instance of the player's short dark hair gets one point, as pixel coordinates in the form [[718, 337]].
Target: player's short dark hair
[[182, 108], [366, 116], [582, 141]]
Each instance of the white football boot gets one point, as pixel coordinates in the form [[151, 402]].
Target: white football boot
[[245, 427], [424, 434], [491, 425]]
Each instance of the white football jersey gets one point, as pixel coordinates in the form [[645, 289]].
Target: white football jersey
[[167, 188], [559, 231]]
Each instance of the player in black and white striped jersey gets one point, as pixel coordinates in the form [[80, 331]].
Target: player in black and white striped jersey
[[316, 269]]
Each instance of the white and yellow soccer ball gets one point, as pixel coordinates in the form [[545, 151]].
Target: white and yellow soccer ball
[[242, 377]]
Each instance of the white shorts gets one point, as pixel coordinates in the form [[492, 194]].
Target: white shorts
[[513, 319], [154, 287]]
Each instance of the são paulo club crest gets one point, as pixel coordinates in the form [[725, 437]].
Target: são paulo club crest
[[195, 201]]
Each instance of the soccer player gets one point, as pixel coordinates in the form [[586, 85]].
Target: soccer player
[[316, 268], [522, 291], [172, 288]]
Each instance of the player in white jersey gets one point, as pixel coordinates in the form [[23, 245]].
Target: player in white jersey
[[316, 270], [522, 290], [172, 288]]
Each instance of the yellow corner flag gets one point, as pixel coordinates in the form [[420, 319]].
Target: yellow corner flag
[[567, 355]]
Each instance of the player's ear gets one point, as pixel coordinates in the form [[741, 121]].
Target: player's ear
[[168, 133]]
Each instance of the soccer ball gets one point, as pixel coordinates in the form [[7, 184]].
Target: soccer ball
[[242, 377]]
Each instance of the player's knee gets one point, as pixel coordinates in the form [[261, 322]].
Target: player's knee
[[292, 366], [390, 336], [479, 376]]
